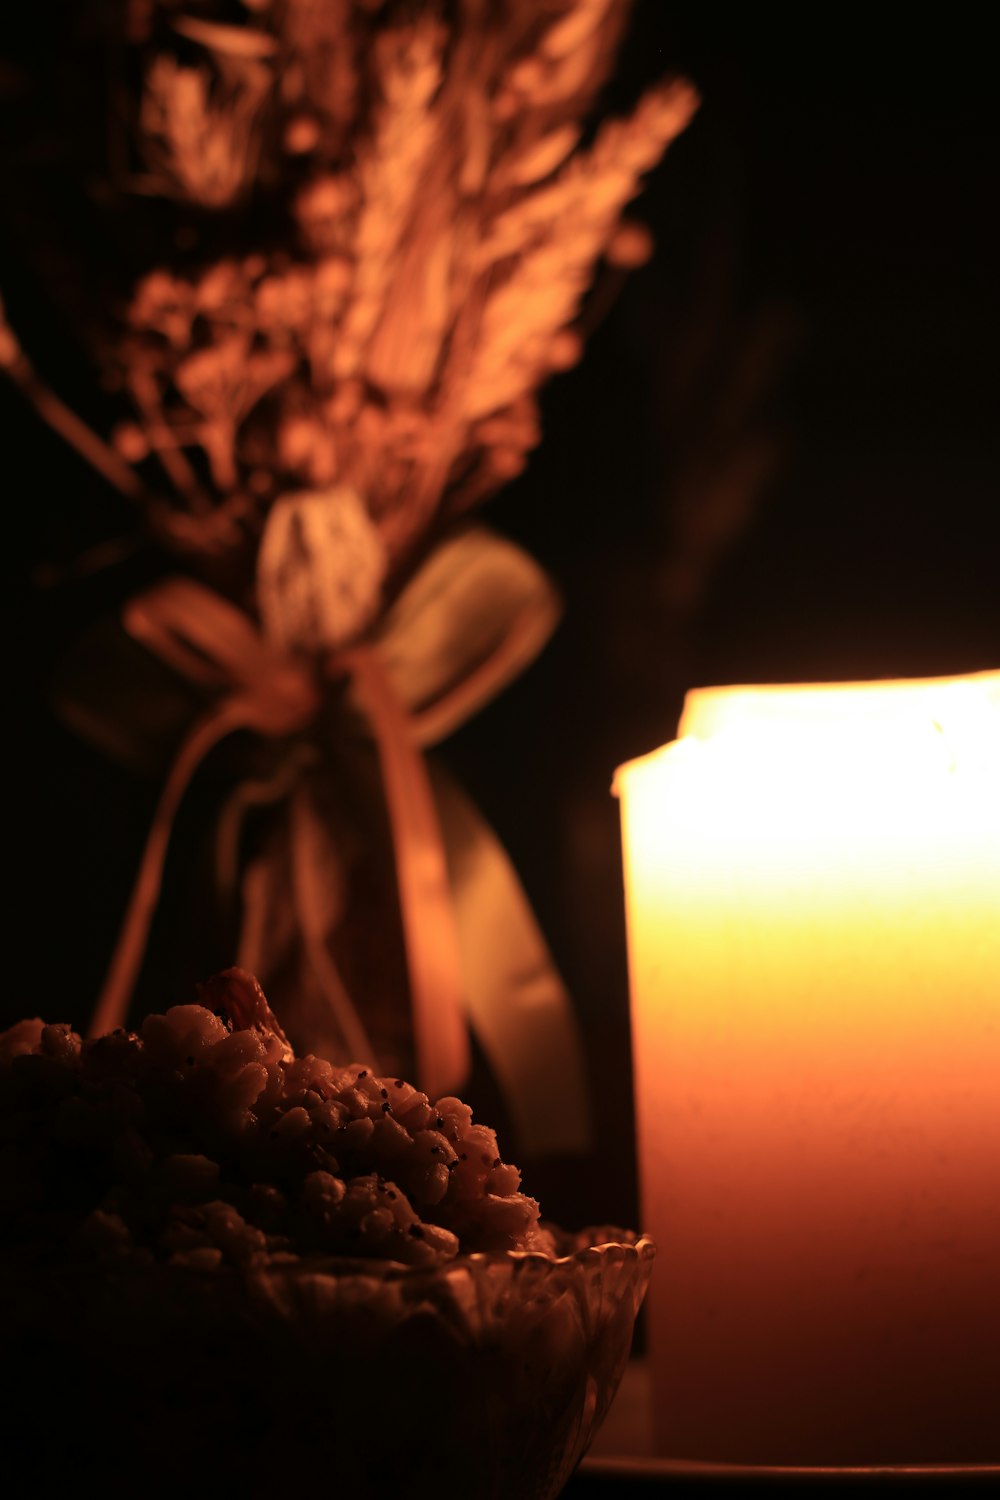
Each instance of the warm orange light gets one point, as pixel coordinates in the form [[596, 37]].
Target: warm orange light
[[812, 882]]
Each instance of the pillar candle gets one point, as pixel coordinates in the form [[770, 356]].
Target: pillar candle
[[812, 882]]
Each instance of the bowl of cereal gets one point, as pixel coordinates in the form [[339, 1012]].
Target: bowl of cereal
[[227, 1266]]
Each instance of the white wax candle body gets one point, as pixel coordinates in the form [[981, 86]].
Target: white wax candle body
[[814, 945]]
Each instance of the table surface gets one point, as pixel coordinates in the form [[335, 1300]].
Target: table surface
[[621, 1461]]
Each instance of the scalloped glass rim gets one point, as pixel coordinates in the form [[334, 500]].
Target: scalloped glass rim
[[641, 1246]]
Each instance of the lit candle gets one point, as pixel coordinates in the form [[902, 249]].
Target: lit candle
[[812, 880]]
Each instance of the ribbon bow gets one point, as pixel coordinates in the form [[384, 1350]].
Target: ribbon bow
[[450, 869]]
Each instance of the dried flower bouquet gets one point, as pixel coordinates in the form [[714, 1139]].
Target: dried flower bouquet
[[410, 214]]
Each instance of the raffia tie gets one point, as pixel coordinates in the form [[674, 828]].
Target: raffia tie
[[213, 644]]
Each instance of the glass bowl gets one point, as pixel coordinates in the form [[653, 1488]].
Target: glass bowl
[[483, 1379]]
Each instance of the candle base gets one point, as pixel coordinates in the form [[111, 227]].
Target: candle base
[[624, 1451]]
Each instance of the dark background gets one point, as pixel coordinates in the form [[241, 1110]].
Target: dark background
[[777, 462]]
